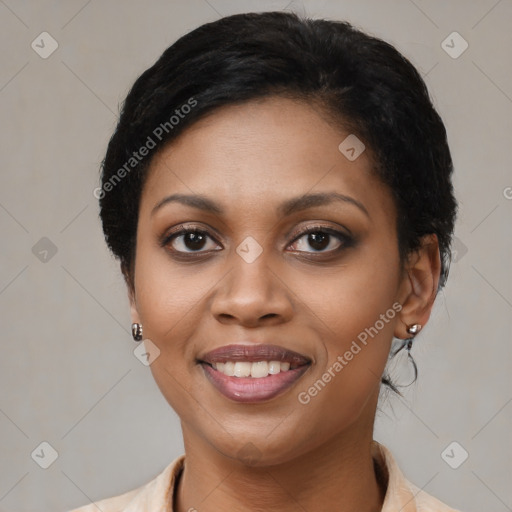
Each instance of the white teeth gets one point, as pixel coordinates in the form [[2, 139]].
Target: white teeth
[[229, 368], [274, 367], [242, 369], [256, 370], [259, 369]]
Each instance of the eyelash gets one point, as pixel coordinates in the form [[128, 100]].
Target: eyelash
[[346, 240]]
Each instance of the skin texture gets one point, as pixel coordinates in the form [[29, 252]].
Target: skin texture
[[312, 299]]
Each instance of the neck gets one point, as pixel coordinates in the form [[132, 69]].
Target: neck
[[337, 476]]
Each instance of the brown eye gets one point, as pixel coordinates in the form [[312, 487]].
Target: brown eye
[[189, 241], [321, 238]]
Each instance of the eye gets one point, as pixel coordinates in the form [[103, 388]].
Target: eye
[[320, 238], [192, 240], [188, 240]]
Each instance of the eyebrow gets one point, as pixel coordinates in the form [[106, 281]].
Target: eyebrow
[[288, 207]]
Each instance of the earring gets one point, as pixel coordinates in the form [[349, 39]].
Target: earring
[[137, 332], [412, 329]]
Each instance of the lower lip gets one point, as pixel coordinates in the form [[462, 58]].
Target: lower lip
[[251, 390]]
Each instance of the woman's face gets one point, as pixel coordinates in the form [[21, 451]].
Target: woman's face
[[252, 277]]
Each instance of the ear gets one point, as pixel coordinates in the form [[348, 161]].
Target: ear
[[418, 288], [133, 302], [133, 306]]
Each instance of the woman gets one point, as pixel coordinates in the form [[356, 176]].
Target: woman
[[278, 193]]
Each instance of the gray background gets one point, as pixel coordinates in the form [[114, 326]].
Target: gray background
[[68, 373]]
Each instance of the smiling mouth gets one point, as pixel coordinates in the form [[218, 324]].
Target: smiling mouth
[[257, 370], [253, 373]]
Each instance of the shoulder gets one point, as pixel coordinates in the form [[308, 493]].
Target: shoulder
[[114, 504], [157, 493], [401, 494], [427, 503]]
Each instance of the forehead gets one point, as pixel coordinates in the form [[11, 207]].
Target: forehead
[[261, 153]]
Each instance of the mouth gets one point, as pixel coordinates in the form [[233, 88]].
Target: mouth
[[253, 373]]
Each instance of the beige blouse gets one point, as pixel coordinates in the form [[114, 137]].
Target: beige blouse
[[157, 494]]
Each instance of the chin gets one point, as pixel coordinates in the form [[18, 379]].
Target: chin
[[255, 447]]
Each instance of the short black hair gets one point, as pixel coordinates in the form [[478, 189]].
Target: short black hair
[[360, 81]]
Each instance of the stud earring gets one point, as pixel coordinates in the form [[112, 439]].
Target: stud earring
[[137, 332], [413, 330]]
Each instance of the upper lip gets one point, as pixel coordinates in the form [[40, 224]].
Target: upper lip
[[254, 353]]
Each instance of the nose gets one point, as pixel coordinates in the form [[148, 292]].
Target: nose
[[252, 294]]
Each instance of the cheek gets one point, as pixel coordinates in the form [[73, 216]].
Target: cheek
[[168, 295], [357, 320], [353, 299], [339, 390], [168, 299]]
